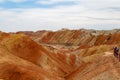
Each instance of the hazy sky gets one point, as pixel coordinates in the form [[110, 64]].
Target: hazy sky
[[17, 15]]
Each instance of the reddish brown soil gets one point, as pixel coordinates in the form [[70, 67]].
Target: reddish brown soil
[[61, 55]]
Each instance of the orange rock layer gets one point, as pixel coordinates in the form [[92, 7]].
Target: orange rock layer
[[62, 55]]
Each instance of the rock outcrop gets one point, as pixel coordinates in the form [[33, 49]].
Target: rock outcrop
[[61, 55]]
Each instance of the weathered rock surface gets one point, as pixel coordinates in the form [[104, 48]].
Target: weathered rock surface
[[61, 55], [80, 37]]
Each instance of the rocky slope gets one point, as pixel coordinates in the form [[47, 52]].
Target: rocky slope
[[15, 68], [105, 67], [61, 55], [19, 45], [76, 37]]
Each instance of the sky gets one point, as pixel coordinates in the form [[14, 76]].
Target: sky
[[33, 15]]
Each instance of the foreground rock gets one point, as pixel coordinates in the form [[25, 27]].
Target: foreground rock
[[15, 68]]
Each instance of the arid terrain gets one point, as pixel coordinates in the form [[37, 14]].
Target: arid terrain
[[59, 55]]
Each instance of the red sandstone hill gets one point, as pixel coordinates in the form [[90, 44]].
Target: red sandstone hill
[[61, 55], [77, 38], [21, 46]]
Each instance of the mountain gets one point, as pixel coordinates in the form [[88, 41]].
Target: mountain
[[60, 55]]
